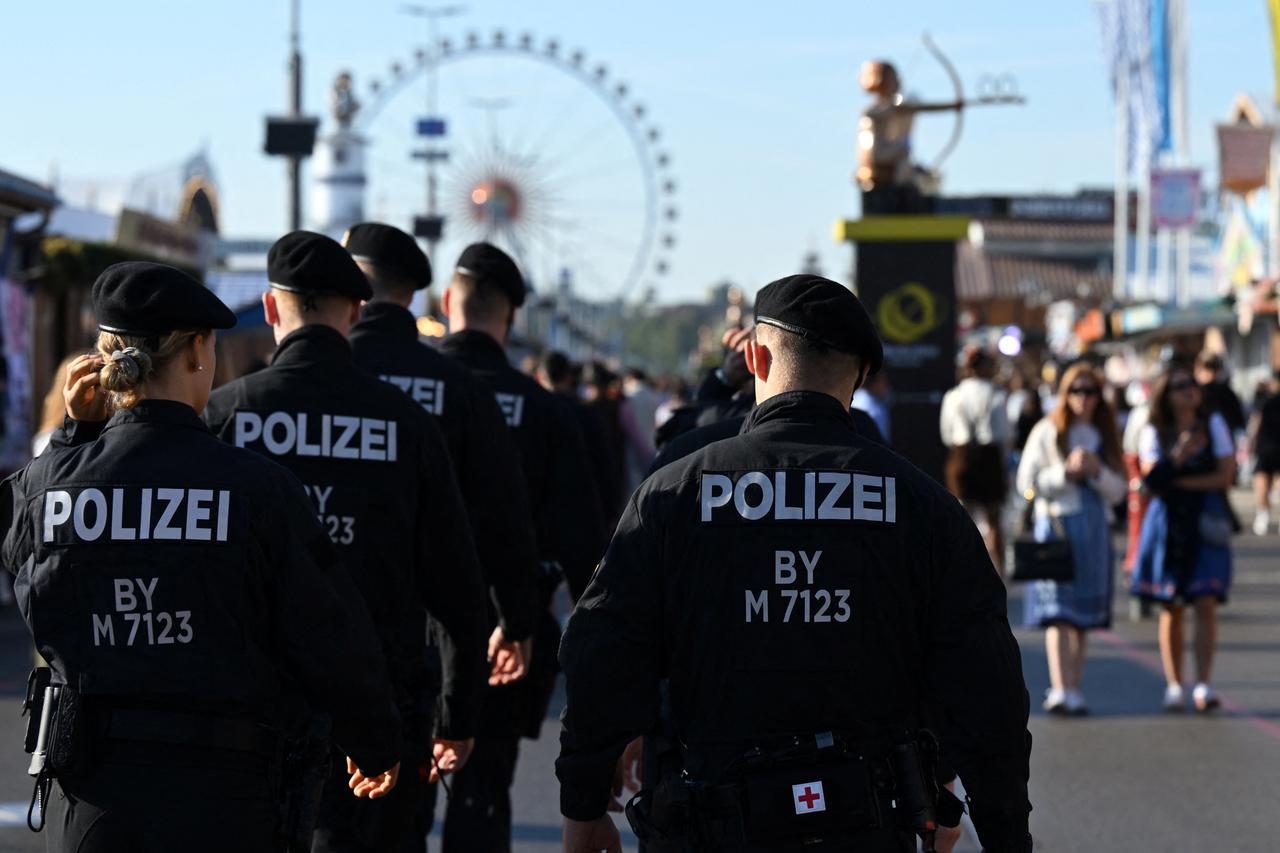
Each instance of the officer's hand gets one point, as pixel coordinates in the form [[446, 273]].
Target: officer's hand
[[372, 787], [591, 836], [82, 397], [630, 772], [736, 340], [946, 839], [450, 756], [510, 660]]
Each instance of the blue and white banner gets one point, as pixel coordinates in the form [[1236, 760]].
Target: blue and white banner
[[1135, 40]]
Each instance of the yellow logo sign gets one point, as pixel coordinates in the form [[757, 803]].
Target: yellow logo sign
[[908, 314]]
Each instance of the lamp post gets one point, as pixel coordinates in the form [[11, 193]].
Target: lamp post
[[293, 135], [432, 223], [295, 111]]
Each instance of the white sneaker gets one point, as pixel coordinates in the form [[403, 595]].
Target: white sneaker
[[1174, 700], [1075, 704], [1055, 700], [1261, 522], [1205, 699]]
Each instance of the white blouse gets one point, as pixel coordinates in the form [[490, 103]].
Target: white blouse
[[1043, 470]]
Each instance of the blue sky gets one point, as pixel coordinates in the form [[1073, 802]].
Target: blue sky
[[757, 103]]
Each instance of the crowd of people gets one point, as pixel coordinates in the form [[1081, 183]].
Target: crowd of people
[[1154, 457]]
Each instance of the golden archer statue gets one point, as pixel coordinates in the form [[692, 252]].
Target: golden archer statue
[[888, 177]]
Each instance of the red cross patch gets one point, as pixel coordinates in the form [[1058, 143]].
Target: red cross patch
[[808, 798]]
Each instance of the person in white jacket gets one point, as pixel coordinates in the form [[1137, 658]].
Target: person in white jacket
[[976, 432], [1073, 466]]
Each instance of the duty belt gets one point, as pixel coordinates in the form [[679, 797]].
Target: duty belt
[[798, 791], [176, 728], [814, 787]]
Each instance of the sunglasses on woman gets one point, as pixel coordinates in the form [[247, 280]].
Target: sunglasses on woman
[[1183, 385], [1082, 391]]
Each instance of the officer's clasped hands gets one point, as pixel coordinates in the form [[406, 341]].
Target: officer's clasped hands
[[372, 787], [630, 772], [449, 756], [591, 836], [509, 658]]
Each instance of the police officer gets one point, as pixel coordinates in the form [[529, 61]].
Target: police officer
[[181, 590], [800, 558], [560, 376], [480, 303], [381, 482], [385, 342]]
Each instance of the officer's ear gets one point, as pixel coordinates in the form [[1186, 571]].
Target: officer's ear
[[353, 313], [864, 373], [759, 360], [446, 300], [270, 310]]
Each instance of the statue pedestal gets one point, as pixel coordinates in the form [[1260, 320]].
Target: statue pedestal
[[337, 198], [906, 279]]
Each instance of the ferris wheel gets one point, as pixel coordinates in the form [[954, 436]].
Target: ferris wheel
[[528, 145]]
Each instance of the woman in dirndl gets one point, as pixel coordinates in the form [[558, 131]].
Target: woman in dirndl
[[1184, 552], [1073, 465]]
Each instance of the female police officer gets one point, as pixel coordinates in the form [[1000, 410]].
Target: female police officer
[[184, 595]]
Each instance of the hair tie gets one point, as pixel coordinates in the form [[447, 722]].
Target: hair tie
[[131, 360]]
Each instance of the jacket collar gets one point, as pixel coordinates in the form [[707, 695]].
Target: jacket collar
[[476, 348], [806, 407], [312, 344], [164, 412], [388, 320]]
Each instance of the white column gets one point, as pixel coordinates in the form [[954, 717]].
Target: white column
[[337, 197], [1120, 245], [1142, 250], [1180, 125], [1162, 285]]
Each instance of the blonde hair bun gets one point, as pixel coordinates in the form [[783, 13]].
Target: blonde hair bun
[[129, 361]]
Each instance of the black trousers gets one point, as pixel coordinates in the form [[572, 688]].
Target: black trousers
[[477, 818], [161, 809], [348, 824]]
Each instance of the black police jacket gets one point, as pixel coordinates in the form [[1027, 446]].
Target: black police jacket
[[796, 579], [696, 439], [600, 462], [379, 476], [385, 343], [568, 522], [158, 567]]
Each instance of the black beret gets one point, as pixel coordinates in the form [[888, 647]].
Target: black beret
[[306, 262], [823, 311], [143, 300], [390, 248], [488, 264]]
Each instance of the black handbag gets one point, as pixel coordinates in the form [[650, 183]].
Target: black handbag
[[1042, 561]]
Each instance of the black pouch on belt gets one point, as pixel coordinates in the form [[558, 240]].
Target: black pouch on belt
[[828, 798], [68, 752]]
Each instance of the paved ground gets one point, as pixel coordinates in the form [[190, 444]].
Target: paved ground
[[1127, 778]]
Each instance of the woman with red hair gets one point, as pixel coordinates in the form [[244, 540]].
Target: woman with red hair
[[1073, 467]]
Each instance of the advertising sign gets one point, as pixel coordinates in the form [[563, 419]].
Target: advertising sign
[[909, 290], [1175, 197]]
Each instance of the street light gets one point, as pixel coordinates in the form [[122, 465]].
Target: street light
[[431, 226], [293, 135]]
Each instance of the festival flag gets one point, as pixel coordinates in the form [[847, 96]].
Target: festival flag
[[1128, 30], [1274, 7]]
